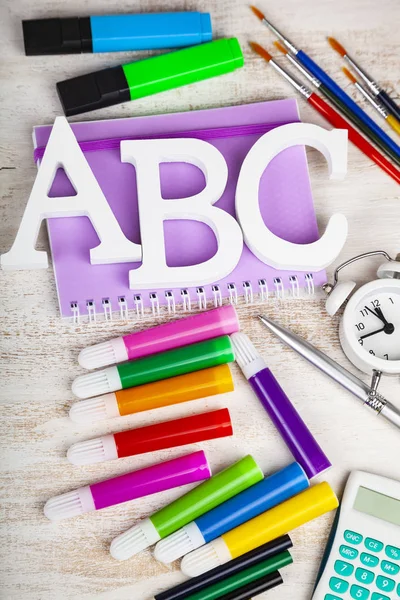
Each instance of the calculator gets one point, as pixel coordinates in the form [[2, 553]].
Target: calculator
[[362, 558]]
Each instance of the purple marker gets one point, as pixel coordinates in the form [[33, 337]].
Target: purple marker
[[151, 480], [285, 417]]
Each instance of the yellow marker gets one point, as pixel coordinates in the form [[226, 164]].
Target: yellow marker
[[275, 522]]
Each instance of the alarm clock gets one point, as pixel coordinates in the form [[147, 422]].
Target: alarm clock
[[369, 329]]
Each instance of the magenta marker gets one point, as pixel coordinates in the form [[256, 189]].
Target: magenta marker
[[157, 478], [189, 330], [285, 417]]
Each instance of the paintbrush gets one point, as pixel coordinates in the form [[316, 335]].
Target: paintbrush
[[328, 94], [391, 120], [331, 115], [385, 142], [381, 95]]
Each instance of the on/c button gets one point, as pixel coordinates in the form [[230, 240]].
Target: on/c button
[[352, 537]]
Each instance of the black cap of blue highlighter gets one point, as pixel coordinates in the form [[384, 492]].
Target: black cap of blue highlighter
[[57, 36]]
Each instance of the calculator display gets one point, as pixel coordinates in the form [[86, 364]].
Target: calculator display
[[377, 505]]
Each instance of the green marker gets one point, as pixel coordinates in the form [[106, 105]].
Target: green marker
[[164, 365], [151, 76], [243, 578], [201, 499]]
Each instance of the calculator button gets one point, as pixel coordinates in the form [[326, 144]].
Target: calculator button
[[364, 576], [378, 596], [373, 545], [398, 590], [343, 568], [385, 584], [369, 560], [347, 552], [338, 585], [389, 567], [392, 552], [358, 592], [352, 537], [330, 597]]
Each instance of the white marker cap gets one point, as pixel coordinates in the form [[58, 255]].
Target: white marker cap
[[95, 384], [93, 451], [134, 540], [71, 504], [104, 354], [246, 356], [95, 409], [178, 544], [206, 558]]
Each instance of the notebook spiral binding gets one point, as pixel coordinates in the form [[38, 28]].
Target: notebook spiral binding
[[186, 303]]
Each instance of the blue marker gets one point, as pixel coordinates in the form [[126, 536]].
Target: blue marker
[[258, 498], [116, 33]]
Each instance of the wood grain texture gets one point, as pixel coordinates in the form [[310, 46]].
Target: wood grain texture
[[70, 560]]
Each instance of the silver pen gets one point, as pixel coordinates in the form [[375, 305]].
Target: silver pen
[[353, 384]]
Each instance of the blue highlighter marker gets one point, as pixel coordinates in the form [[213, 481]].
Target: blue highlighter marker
[[250, 503], [116, 33]]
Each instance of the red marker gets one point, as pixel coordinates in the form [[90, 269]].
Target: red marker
[[169, 434]]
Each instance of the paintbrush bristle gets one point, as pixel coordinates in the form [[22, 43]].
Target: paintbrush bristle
[[261, 51], [257, 12], [280, 47], [349, 75], [336, 46]]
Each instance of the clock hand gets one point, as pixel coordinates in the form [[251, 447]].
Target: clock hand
[[389, 327], [372, 333], [378, 313]]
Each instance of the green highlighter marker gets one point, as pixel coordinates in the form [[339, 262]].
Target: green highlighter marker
[[164, 365], [206, 496], [151, 76]]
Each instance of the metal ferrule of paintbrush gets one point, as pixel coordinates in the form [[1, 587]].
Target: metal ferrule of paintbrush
[[364, 76], [371, 99], [338, 373], [296, 63], [296, 83]]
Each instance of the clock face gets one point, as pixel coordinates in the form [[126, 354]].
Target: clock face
[[376, 322]]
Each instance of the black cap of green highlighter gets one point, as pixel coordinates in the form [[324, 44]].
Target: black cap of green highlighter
[[150, 76]]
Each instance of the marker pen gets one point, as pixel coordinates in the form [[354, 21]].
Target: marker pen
[[252, 502], [169, 434], [292, 513], [155, 367], [224, 485], [281, 411], [255, 588], [183, 388], [234, 584], [182, 332], [222, 572], [116, 33], [150, 76], [157, 478]]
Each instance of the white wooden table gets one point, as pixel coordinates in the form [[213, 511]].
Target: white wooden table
[[70, 560]]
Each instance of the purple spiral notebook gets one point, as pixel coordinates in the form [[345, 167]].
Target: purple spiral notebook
[[285, 200]]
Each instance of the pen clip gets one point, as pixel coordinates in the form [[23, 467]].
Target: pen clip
[[376, 378]]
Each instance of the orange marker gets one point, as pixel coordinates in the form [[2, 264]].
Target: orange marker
[[183, 388]]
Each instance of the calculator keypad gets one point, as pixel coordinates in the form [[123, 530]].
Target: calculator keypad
[[365, 569]]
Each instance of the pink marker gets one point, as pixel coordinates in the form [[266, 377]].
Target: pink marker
[[157, 478], [189, 330]]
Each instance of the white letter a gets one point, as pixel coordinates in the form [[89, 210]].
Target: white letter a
[[63, 151]]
